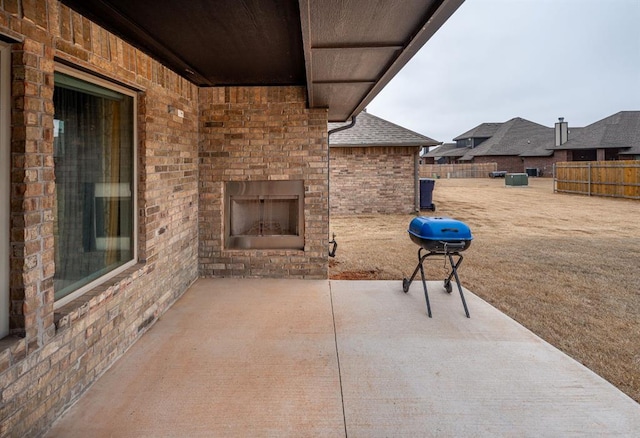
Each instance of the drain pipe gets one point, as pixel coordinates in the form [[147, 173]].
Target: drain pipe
[[416, 181], [343, 128], [334, 247]]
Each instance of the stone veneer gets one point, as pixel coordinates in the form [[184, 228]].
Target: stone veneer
[[261, 134], [367, 180]]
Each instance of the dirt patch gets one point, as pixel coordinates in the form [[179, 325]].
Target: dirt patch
[[356, 275], [566, 267]]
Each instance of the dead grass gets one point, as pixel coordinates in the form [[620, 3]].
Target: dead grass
[[567, 267]]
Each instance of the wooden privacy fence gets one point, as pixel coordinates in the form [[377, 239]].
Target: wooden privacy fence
[[467, 170], [618, 179]]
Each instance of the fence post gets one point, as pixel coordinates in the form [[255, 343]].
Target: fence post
[[555, 179], [589, 178]]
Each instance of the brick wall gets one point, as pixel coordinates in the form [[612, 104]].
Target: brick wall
[[372, 180], [53, 356], [562, 155], [512, 164], [261, 134], [545, 164]]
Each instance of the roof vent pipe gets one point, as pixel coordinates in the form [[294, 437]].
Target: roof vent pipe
[[562, 131]]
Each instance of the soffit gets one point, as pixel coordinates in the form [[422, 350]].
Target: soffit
[[343, 51]]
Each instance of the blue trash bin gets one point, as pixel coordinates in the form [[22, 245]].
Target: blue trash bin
[[426, 194]]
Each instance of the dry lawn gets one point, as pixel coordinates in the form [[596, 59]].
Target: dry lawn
[[565, 266]]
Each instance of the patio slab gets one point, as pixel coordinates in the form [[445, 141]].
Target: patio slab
[[404, 374], [244, 357], [230, 358]]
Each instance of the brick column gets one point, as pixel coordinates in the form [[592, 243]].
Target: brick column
[[259, 134], [33, 193]]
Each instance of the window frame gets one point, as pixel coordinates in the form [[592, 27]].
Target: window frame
[[5, 185], [92, 79]]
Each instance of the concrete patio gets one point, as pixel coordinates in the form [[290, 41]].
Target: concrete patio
[[240, 357]]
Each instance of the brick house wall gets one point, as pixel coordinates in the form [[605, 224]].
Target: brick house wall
[[545, 164], [262, 134], [52, 355], [512, 164], [562, 155], [367, 180]]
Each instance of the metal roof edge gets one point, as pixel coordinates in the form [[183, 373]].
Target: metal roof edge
[[444, 11]]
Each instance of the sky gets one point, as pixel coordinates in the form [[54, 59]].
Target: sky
[[494, 60]]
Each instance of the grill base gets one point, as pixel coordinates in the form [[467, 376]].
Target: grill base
[[455, 264], [439, 236]]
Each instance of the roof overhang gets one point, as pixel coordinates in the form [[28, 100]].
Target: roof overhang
[[344, 52]]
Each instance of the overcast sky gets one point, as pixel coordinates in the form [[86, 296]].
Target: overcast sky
[[536, 59]]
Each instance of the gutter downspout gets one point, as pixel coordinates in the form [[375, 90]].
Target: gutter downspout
[[334, 247], [416, 181], [342, 128]]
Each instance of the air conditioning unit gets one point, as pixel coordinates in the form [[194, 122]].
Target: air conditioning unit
[[516, 179]]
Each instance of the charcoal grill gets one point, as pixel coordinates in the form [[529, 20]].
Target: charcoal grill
[[439, 236]]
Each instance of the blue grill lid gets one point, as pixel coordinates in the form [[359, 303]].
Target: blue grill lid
[[439, 228]]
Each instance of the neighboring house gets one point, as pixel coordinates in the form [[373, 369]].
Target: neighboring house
[[146, 144], [518, 144], [542, 156], [447, 153], [508, 142], [476, 136], [373, 166], [616, 137], [500, 143]]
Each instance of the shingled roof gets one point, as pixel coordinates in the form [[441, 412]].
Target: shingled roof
[[447, 150], [515, 137], [546, 147], [483, 130], [370, 130], [540, 149], [620, 130]]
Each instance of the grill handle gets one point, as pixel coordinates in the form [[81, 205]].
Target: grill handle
[[454, 245]]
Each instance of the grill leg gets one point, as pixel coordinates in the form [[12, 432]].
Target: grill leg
[[454, 272], [406, 283], [453, 265], [424, 285]]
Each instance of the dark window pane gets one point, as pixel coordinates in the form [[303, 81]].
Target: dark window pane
[[93, 152]]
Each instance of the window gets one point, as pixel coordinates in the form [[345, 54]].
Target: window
[[94, 159], [5, 169], [585, 155]]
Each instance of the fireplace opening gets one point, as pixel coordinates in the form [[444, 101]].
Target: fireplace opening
[[264, 215]]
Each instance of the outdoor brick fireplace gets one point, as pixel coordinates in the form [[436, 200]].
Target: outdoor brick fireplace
[[264, 215], [263, 207]]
